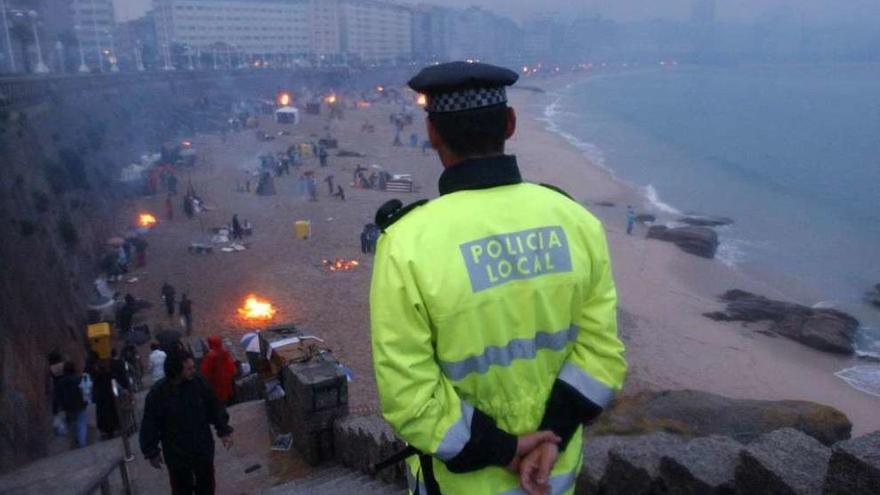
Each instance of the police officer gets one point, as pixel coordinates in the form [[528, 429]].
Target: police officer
[[492, 308]]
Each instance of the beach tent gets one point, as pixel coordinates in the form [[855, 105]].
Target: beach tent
[[287, 115]]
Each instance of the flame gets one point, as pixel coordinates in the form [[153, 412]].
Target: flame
[[255, 308], [330, 99], [380, 88], [422, 100], [146, 220], [340, 265], [186, 143], [284, 99]]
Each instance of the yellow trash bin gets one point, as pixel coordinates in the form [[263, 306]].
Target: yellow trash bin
[[302, 229], [99, 339]]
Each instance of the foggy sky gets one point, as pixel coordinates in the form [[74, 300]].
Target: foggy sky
[[810, 11]]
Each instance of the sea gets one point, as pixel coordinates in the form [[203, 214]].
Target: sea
[[791, 153]]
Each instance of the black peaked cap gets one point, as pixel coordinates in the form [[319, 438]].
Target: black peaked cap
[[454, 76]]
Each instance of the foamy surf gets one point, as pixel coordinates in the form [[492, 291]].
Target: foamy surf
[[865, 378], [552, 113], [653, 198]]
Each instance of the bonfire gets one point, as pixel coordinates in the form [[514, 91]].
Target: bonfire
[[255, 308], [340, 265], [146, 220]]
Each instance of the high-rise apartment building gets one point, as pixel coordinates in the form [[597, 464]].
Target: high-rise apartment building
[[321, 30]]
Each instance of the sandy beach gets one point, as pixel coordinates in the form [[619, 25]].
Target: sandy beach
[[663, 291]]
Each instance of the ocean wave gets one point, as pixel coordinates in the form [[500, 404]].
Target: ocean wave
[[552, 112], [731, 252], [650, 193], [865, 378]]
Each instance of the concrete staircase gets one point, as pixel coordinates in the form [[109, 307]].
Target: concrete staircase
[[336, 480]]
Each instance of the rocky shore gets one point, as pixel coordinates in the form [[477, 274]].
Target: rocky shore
[[823, 329]]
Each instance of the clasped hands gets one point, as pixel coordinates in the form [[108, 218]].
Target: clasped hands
[[536, 453]]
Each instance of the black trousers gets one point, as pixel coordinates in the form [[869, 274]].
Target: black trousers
[[196, 479]]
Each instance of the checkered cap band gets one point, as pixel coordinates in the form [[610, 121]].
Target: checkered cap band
[[466, 99]]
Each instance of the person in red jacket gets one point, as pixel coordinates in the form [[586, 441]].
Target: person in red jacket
[[218, 368]]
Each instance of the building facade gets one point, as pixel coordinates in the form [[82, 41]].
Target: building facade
[[321, 31], [373, 31], [254, 27]]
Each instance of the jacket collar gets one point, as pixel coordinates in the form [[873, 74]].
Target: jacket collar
[[480, 173]]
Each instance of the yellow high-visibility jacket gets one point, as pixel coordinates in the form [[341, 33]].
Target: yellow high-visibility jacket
[[493, 315]]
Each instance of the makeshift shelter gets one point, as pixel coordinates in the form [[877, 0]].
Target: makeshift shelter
[[287, 115]]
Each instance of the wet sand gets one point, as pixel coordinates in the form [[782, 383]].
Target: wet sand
[[663, 291]]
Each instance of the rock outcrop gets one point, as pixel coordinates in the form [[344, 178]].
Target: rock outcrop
[[783, 462], [705, 465], [828, 330], [694, 413], [873, 296], [634, 466], [700, 241], [705, 220], [855, 467]]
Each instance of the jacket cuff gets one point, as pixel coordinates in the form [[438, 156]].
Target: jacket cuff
[[566, 411], [488, 446]]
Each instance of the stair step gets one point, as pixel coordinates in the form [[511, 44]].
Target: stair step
[[336, 480]]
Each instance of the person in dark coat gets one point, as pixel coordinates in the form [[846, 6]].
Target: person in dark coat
[[168, 294], [119, 370], [329, 181], [178, 414], [169, 208], [237, 232], [69, 398], [185, 310], [322, 156], [364, 240], [106, 416]]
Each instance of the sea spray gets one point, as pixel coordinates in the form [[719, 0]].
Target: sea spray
[[865, 378]]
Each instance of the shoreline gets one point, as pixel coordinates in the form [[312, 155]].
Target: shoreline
[[664, 291]]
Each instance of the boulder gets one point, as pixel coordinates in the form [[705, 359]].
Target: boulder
[[634, 466], [705, 465], [824, 329], [873, 296], [783, 462], [596, 450], [695, 414], [855, 467], [700, 241], [645, 218], [705, 220]]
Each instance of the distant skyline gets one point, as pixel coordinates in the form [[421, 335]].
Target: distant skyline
[[811, 11]]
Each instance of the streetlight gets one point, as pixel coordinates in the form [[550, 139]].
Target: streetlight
[[83, 68], [138, 56], [8, 38], [111, 55], [41, 67], [59, 48]]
